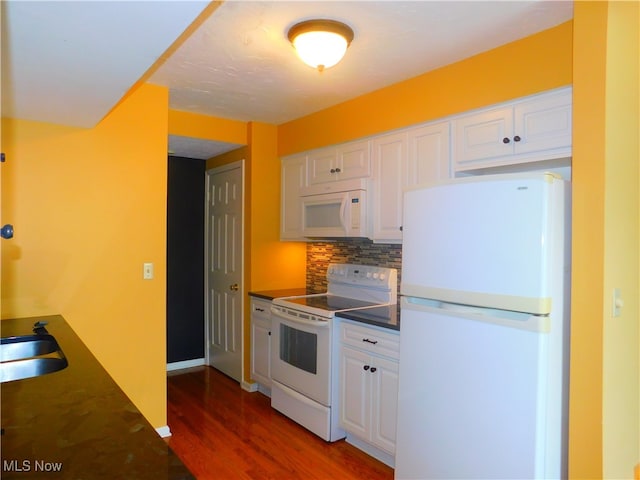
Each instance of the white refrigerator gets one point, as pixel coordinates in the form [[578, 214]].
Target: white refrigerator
[[484, 329]]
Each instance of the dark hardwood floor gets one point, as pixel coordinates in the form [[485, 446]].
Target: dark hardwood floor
[[223, 432]]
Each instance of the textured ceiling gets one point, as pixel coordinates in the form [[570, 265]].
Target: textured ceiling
[[240, 65], [77, 59]]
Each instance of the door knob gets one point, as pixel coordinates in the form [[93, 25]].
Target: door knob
[[6, 231], [234, 287]]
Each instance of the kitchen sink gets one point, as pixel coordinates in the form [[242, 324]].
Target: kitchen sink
[[29, 356]]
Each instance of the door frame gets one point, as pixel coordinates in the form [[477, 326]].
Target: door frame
[[207, 329]]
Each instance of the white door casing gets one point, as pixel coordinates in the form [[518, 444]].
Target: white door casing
[[224, 267]]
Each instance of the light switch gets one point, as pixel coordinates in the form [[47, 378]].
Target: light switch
[[147, 272]]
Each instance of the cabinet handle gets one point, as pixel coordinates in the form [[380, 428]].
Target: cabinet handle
[[333, 170], [259, 309], [505, 140], [373, 369], [269, 333], [517, 138], [400, 227], [369, 341], [337, 170], [366, 367]]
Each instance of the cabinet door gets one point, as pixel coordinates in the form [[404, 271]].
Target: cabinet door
[[355, 385], [390, 175], [293, 178], [384, 403], [322, 166], [342, 162], [429, 154], [353, 161], [544, 123], [261, 352], [484, 135]]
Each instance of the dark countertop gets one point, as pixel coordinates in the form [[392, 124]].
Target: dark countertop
[[386, 317], [285, 292], [77, 420]]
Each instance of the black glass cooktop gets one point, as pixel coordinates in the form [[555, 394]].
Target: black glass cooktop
[[330, 303]]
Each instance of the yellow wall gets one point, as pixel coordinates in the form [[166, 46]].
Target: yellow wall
[[604, 415], [277, 263], [585, 411], [533, 64], [621, 445], [204, 127], [89, 207]]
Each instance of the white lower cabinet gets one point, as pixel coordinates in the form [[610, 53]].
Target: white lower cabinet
[[369, 384], [261, 341]]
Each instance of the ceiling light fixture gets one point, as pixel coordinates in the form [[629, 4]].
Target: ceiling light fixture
[[320, 43]]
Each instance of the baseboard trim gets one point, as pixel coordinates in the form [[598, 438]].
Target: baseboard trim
[[249, 387], [196, 362], [369, 449], [164, 432]]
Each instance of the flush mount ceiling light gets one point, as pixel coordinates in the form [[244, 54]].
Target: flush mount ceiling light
[[320, 43]]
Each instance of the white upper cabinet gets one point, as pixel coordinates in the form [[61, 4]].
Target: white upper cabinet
[[341, 162], [429, 153], [390, 175], [410, 157], [293, 179], [534, 129]]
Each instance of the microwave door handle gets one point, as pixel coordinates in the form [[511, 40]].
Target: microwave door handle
[[343, 212]]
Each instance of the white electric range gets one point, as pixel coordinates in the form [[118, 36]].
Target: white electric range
[[304, 353]]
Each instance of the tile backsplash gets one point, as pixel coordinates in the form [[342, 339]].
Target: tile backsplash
[[358, 251]]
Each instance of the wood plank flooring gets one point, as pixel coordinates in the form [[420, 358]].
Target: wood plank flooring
[[223, 432]]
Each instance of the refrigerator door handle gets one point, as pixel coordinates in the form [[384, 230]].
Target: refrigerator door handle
[[505, 318]]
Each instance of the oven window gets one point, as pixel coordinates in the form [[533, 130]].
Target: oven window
[[299, 348]]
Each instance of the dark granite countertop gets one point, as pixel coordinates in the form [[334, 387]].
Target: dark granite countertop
[[77, 423], [285, 292], [386, 317]]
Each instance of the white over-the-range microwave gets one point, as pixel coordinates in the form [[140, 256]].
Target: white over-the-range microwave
[[335, 210]]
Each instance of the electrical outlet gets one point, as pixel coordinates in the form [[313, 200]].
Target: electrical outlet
[[147, 271]]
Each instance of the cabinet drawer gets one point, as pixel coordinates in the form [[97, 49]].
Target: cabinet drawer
[[370, 339], [260, 308]]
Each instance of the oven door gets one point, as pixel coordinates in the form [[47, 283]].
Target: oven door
[[301, 355]]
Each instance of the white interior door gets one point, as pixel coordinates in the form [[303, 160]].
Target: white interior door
[[224, 254]]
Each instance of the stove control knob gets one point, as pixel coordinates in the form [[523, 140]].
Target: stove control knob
[[375, 275], [368, 274], [382, 276]]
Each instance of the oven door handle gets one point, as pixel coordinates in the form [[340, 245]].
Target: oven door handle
[[303, 321]]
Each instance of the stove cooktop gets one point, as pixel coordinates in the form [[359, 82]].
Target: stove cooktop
[[330, 303]]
